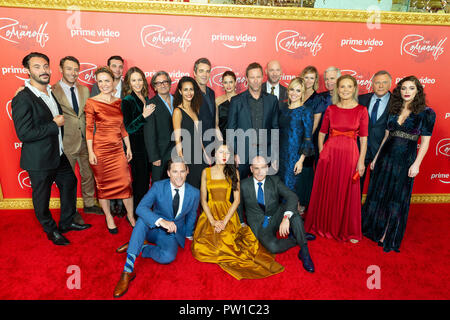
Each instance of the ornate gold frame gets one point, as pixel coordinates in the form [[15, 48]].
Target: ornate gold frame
[[231, 11], [234, 11]]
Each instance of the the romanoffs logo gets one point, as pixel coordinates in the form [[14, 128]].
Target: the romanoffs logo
[[159, 37], [11, 30], [216, 77], [361, 46], [416, 44], [100, 36], [87, 73], [8, 109], [24, 179], [443, 147], [363, 82], [233, 41], [292, 41]]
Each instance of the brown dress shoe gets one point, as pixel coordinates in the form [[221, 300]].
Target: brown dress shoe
[[122, 286], [123, 248]]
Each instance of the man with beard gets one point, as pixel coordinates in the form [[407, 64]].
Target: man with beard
[[39, 122]]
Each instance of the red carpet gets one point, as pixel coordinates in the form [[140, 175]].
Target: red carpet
[[33, 268]]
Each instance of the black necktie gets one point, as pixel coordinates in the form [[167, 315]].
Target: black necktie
[[176, 203], [74, 100], [374, 113]]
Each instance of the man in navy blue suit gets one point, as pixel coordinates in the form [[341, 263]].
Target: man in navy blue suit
[[377, 104], [166, 216]]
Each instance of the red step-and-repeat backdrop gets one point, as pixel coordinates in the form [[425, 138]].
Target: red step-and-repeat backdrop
[[173, 43]]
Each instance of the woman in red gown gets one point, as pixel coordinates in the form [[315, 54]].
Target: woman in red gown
[[335, 206], [108, 160]]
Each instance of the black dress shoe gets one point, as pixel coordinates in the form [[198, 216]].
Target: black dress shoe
[[57, 238], [74, 227], [304, 256], [310, 236]]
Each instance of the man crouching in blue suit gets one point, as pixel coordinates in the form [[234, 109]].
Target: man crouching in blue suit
[[166, 216]]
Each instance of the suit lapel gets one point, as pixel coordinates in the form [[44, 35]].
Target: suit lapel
[[82, 98], [247, 107], [185, 200], [168, 198], [61, 98], [163, 106]]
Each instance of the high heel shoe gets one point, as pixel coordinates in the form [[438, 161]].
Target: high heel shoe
[[129, 222], [113, 230]]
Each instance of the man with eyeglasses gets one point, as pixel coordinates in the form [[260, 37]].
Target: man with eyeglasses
[[158, 128]]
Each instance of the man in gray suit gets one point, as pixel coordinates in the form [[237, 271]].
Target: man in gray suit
[[262, 198]]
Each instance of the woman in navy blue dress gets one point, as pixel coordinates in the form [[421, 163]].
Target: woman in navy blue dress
[[295, 123], [315, 102], [397, 162]]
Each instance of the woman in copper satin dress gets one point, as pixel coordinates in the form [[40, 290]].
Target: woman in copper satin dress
[[335, 207], [218, 236], [106, 155]]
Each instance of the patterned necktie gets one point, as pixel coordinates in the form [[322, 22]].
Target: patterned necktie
[[74, 100], [176, 203], [272, 91], [374, 113]]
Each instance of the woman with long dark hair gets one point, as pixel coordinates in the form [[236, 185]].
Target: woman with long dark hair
[[397, 162], [218, 236], [188, 141], [136, 109]]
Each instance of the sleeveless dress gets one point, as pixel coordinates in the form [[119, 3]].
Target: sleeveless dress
[[235, 249], [192, 150], [387, 205], [335, 207], [112, 172]]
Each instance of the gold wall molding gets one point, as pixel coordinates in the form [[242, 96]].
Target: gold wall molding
[[235, 11], [25, 204]]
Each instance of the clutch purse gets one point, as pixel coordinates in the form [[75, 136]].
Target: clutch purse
[[356, 176]]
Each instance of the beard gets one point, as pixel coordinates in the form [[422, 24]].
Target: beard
[[39, 80]]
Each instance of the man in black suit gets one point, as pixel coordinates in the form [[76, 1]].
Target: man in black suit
[[377, 103], [207, 114], [262, 199], [39, 122], [158, 129], [272, 85]]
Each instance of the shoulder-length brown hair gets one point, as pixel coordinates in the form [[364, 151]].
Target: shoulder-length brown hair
[[416, 106], [311, 69], [126, 88]]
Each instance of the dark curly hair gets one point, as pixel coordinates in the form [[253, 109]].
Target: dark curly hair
[[197, 100], [416, 106]]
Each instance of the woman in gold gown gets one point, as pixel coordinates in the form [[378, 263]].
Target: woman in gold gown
[[219, 237]]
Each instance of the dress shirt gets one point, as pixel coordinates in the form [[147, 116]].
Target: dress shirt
[[181, 193], [276, 91], [381, 107], [51, 104], [118, 90], [255, 183], [66, 89], [171, 103]]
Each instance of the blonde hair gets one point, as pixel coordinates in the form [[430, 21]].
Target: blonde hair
[[295, 82], [311, 69], [336, 98]]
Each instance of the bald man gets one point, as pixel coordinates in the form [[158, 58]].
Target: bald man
[[272, 85]]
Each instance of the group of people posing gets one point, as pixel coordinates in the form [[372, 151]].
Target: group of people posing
[[270, 167]]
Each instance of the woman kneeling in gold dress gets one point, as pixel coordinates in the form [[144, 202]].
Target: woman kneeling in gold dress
[[219, 237]]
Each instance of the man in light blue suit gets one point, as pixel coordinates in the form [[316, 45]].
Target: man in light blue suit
[[166, 216]]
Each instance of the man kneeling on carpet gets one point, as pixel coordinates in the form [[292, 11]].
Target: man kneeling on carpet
[[267, 215], [166, 216]]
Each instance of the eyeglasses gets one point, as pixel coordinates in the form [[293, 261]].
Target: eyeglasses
[[161, 83]]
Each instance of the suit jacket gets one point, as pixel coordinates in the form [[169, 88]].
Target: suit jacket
[[274, 192], [158, 131], [282, 94], [34, 125], [134, 121], [240, 117], [157, 203], [377, 130], [207, 113], [74, 124]]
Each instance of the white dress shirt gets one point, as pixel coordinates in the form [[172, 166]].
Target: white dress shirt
[[286, 213], [51, 104], [66, 89], [118, 89], [181, 193], [276, 90]]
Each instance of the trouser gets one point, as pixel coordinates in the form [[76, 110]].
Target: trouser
[[41, 185], [140, 171], [87, 177], [166, 246]]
